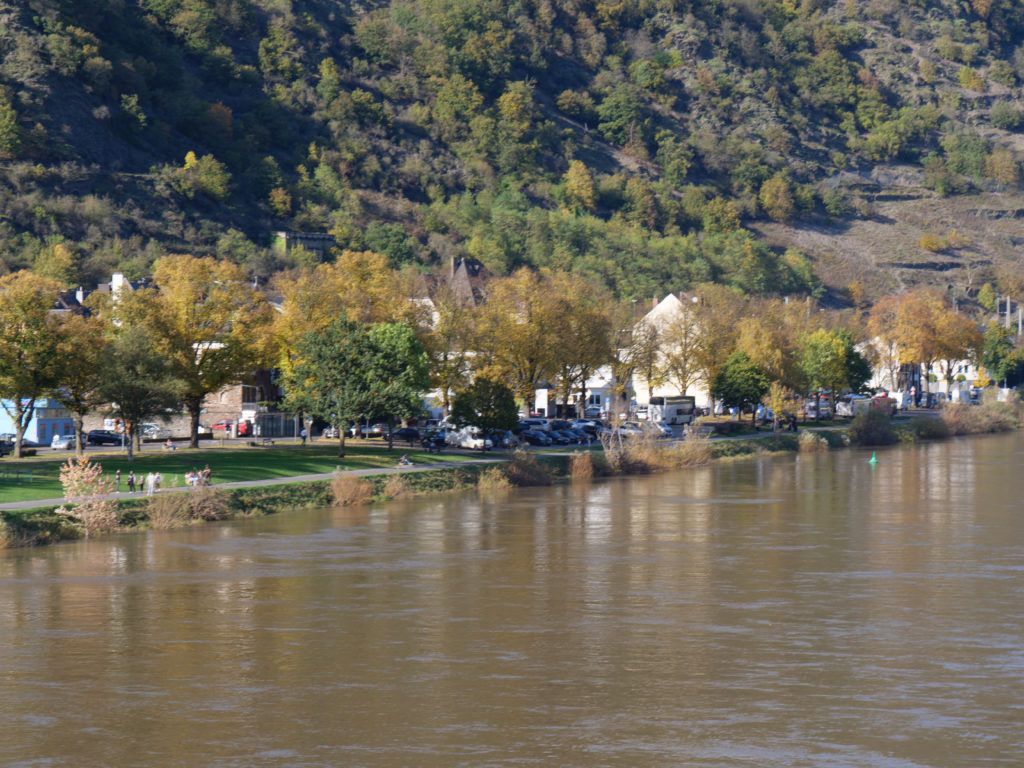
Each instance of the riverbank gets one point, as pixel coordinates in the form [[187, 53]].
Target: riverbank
[[371, 476]]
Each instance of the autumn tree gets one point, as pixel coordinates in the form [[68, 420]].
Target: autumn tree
[[520, 329], [958, 338], [449, 343], [82, 344], [683, 339], [206, 320], [579, 187], [584, 339], [28, 346]]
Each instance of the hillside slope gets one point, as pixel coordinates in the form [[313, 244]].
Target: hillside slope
[[844, 149]]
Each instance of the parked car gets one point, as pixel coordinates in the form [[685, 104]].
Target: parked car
[[541, 425], [64, 442], [535, 437], [505, 439], [628, 429], [224, 426], [103, 437], [410, 434], [155, 432], [330, 433]]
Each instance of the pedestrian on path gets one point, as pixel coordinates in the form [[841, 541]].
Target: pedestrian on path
[[303, 434], [117, 481], [131, 481], [150, 484]]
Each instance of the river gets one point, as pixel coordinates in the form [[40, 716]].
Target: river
[[806, 610]]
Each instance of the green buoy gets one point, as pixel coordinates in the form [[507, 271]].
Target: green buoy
[[873, 459]]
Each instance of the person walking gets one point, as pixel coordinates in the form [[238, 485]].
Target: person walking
[[157, 480], [131, 481], [117, 481], [150, 484], [303, 434]]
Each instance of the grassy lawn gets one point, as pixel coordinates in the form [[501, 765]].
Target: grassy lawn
[[38, 477]]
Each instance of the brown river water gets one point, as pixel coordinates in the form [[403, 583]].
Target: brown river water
[[795, 611]]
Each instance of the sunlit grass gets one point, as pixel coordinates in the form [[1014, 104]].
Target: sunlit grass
[[37, 478]]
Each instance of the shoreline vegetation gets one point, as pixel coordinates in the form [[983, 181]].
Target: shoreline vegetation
[[46, 525]]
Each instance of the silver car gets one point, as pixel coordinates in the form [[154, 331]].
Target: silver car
[[63, 442]]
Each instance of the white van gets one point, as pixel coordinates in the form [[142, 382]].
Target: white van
[[471, 438]]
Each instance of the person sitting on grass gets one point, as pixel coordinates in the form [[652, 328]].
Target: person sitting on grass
[[404, 461], [170, 446]]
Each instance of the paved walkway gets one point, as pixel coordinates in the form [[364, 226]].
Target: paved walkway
[[39, 503]]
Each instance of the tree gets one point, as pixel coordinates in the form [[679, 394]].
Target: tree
[[683, 339], [584, 343], [346, 372], [958, 339], [207, 322], [28, 346], [488, 405], [449, 343], [137, 381], [825, 362], [326, 379], [997, 353], [739, 383], [396, 372], [520, 325], [579, 187], [776, 197], [81, 351]]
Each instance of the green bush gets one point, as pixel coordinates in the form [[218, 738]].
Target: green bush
[[872, 428]]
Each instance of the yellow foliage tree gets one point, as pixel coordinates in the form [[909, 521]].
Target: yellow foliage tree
[[206, 320]]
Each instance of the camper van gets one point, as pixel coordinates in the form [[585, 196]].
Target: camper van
[[672, 410]]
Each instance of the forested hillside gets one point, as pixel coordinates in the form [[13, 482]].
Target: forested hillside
[[841, 149]]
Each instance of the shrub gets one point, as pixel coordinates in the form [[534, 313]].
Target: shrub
[[581, 466], [205, 503], [872, 428], [85, 489], [964, 419], [926, 428], [397, 487], [167, 511], [812, 442], [493, 478], [693, 451], [348, 490], [525, 470]]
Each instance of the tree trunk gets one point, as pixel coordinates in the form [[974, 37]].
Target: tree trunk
[[341, 443], [22, 416], [194, 406], [133, 430], [79, 421]]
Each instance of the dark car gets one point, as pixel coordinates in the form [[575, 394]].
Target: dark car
[[411, 434], [558, 437], [103, 437], [534, 437]]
